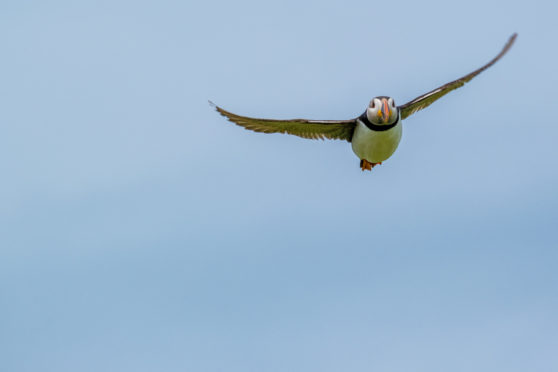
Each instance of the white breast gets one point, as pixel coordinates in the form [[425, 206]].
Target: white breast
[[375, 146]]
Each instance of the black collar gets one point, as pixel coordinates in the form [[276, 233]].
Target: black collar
[[377, 128]]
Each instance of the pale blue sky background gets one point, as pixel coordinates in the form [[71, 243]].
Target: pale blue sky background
[[140, 231]]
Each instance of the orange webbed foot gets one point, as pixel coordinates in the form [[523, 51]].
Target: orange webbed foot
[[366, 165]]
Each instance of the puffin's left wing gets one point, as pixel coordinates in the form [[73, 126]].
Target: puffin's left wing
[[312, 129], [427, 99]]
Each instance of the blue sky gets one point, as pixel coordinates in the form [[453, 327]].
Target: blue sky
[[140, 231]]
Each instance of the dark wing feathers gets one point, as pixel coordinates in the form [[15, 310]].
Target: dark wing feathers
[[312, 129], [427, 99], [344, 129]]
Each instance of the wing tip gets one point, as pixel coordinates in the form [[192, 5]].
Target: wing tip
[[511, 40], [508, 45], [219, 110]]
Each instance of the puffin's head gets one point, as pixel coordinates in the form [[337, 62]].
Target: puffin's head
[[382, 111]]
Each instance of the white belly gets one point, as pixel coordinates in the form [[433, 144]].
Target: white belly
[[375, 146]]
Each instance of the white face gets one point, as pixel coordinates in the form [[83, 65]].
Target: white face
[[382, 111]]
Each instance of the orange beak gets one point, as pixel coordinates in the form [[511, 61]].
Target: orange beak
[[386, 113]]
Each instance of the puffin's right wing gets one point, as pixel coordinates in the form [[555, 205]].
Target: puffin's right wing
[[312, 129], [427, 99]]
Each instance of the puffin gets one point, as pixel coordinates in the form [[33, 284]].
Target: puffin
[[374, 135]]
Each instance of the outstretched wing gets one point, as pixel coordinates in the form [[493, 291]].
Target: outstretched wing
[[312, 129], [427, 99]]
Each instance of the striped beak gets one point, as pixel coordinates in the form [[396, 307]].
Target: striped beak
[[385, 111]]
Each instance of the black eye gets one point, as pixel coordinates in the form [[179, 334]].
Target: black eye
[[372, 104], [393, 102]]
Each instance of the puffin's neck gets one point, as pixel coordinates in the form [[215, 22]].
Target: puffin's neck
[[375, 127]]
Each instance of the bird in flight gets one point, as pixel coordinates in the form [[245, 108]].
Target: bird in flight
[[375, 134]]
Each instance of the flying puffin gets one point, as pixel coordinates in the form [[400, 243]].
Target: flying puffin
[[375, 134]]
